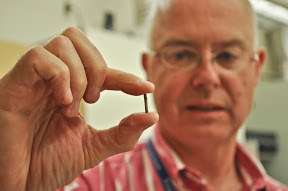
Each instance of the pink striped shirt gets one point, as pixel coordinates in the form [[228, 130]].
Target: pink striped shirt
[[134, 171]]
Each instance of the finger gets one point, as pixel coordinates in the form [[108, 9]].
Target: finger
[[40, 65], [92, 60], [62, 47], [127, 133], [128, 83], [121, 138]]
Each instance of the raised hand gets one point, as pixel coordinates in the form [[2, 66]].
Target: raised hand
[[44, 141]]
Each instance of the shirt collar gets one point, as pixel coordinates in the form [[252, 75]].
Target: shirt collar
[[252, 171], [168, 156]]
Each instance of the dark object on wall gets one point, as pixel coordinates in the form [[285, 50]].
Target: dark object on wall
[[109, 21], [67, 8], [267, 141]]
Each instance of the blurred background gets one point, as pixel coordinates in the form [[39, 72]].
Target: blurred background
[[118, 30]]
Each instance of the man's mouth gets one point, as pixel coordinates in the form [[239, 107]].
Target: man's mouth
[[205, 108]]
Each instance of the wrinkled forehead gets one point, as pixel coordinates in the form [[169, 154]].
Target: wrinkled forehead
[[208, 20]]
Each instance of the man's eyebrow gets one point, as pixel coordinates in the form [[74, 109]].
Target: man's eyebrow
[[231, 43]]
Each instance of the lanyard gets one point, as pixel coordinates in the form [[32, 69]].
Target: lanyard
[[158, 165]]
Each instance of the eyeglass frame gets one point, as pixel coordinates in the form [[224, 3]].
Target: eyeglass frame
[[253, 57]]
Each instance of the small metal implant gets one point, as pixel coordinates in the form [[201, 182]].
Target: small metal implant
[[146, 103]]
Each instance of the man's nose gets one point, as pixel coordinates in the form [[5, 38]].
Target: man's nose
[[205, 75]]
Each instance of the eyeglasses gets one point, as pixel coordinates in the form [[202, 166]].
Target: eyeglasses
[[181, 57]]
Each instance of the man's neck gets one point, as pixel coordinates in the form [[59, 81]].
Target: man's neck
[[216, 162]]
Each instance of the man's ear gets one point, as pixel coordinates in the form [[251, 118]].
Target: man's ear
[[261, 58]]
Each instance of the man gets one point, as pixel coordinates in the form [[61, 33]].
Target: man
[[205, 69]]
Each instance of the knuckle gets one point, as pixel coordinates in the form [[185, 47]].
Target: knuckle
[[71, 31], [128, 121], [124, 123], [63, 71], [34, 55], [61, 41]]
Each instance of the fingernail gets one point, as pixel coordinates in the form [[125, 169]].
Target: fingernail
[[154, 115], [147, 83]]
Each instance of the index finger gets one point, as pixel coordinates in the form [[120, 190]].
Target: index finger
[[126, 82]]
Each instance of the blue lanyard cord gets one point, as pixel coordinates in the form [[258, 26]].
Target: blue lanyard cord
[[158, 165]]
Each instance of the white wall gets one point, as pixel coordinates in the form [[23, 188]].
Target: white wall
[[271, 114], [30, 21], [93, 11]]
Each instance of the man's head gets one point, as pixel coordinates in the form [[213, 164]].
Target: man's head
[[205, 68]]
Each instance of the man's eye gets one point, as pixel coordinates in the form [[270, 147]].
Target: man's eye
[[225, 57], [183, 55]]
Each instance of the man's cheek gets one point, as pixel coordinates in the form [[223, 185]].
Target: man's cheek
[[233, 86], [241, 101], [174, 85], [169, 91]]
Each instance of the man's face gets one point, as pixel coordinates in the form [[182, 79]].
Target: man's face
[[206, 100]]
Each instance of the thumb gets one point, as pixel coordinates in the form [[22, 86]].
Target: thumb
[[118, 139], [127, 133]]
